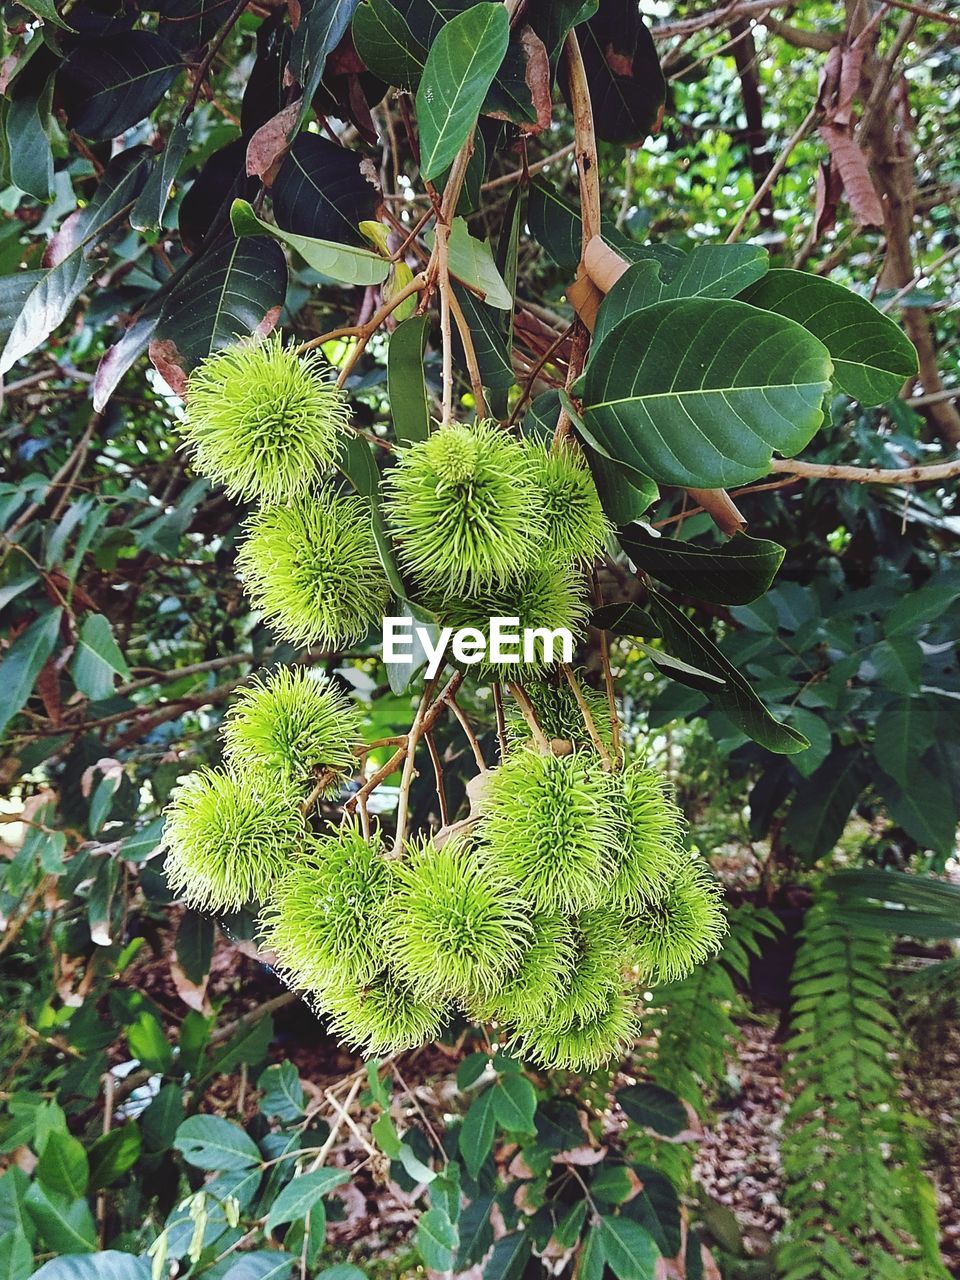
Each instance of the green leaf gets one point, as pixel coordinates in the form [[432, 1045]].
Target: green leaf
[[406, 386], [148, 1042], [108, 1264], [342, 1271], [437, 1239], [736, 699], [485, 325], [904, 731], [476, 1133], [871, 355], [654, 1108], [261, 1264], [926, 809], [414, 1166], [509, 1258], [16, 1256], [383, 39], [476, 1232], [322, 191], [630, 1251], [384, 1133], [283, 1094], [735, 572], [591, 1263], [823, 802], [514, 1103], [471, 1069], [460, 68], [210, 1142], [699, 393], [65, 1225], [343, 262], [97, 659], [113, 1154], [229, 292], [917, 608], [63, 1166], [623, 73], [147, 213], [24, 662], [568, 1228], [194, 945], [109, 86], [612, 1184], [898, 901], [300, 1195], [13, 1189], [897, 664], [46, 10], [249, 1044], [472, 262], [160, 1121], [322, 25], [553, 223], [710, 271], [27, 126], [656, 1207]]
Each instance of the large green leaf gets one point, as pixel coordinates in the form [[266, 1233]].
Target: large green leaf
[[623, 73], [654, 1108], [109, 86], [823, 802], [97, 659], [735, 699], [113, 1154], [496, 371], [514, 1103], [898, 902], [65, 1225], [509, 1258], [472, 262], [735, 572], [460, 68], [323, 191], [476, 1133], [322, 25], [300, 1195], [231, 292], [871, 355], [108, 1264], [710, 271], [629, 1249], [210, 1142], [346, 263], [406, 387], [904, 731], [63, 1166], [437, 1239], [926, 809], [16, 1256], [384, 40], [24, 662], [700, 393]]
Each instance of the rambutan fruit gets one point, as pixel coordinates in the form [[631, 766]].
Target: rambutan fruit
[[558, 712], [651, 837], [546, 968], [325, 919], [586, 1042], [263, 421], [463, 510], [549, 827], [384, 1015], [312, 567], [296, 724], [576, 525], [229, 837], [454, 928], [673, 935]]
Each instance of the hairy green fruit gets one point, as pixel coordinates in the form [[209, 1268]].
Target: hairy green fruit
[[671, 937], [229, 837], [325, 920], [547, 967], [296, 724], [542, 597], [312, 568], [558, 712], [652, 828], [549, 827], [600, 948], [455, 929], [463, 509], [385, 1015], [263, 421], [586, 1043], [576, 525]]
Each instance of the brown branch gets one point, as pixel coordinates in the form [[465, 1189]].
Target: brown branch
[[922, 474], [530, 715], [776, 169], [587, 714]]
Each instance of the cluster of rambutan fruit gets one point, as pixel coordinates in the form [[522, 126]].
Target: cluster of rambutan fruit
[[568, 891]]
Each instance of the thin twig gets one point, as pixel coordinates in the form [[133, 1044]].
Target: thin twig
[[923, 474], [587, 714], [776, 169], [530, 715], [438, 778], [406, 780], [468, 731]]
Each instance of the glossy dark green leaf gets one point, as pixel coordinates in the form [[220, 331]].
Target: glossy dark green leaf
[[113, 1154], [384, 40], [485, 324], [700, 393], [460, 67], [926, 809], [612, 1184], [190, 24], [406, 385], [872, 356], [63, 1166], [26, 124], [709, 271], [322, 25], [656, 1207], [47, 10], [736, 699], [623, 73], [734, 572], [553, 223], [109, 86], [97, 660], [654, 1108], [231, 292], [299, 1195], [160, 1121], [509, 1258], [65, 1225], [147, 213], [283, 1094], [904, 730], [23, 663], [823, 803], [210, 1142], [476, 1232], [520, 91], [629, 1249], [476, 1133], [514, 1103], [323, 190], [194, 945]]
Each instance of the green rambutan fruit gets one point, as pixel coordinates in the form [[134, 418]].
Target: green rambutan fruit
[[576, 526], [542, 597], [384, 1015], [296, 723], [549, 827], [229, 837], [547, 967], [263, 421], [652, 835], [463, 509], [558, 712], [672, 936], [600, 949], [586, 1042], [325, 918], [312, 568], [454, 928]]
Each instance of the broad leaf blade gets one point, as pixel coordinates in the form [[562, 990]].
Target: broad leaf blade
[[323, 191], [343, 262], [699, 393], [24, 662], [110, 86], [735, 572], [406, 386]]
